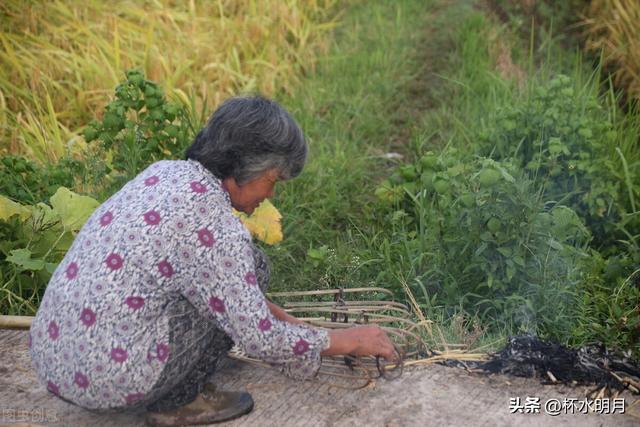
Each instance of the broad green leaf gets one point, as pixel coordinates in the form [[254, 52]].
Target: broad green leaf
[[22, 258], [9, 208], [51, 267], [505, 251], [43, 215], [73, 209]]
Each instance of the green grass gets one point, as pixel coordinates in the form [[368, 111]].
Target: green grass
[[377, 91], [408, 77], [346, 110]]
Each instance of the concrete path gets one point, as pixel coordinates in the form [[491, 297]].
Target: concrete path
[[424, 396]]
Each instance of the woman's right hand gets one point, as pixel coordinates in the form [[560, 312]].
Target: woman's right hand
[[369, 340]]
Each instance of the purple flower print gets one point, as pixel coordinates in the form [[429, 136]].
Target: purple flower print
[[152, 217], [152, 180], [133, 398], [216, 304], [124, 328], [119, 354], [253, 348], [53, 388], [243, 320], [53, 330], [206, 237], [77, 296], [114, 261], [99, 288], [176, 200], [106, 219], [88, 317], [81, 380], [264, 324], [134, 302], [179, 226], [196, 187], [72, 271], [186, 254], [166, 270], [228, 263], [301, 347], [162, 352], [82, 347], [202, 211], [250, 278]]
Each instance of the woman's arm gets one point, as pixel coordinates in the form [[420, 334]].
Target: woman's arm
[[358, 341], [282, 315]]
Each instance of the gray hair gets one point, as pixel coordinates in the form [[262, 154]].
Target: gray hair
[[247, 136]]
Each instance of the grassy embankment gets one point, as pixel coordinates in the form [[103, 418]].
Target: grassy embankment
[[523, 219]]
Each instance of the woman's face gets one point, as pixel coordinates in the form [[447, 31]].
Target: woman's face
[[248, 196]]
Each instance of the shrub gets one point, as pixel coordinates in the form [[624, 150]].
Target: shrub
[[25, 181], [564, 139], [140, 127], [495, 248]]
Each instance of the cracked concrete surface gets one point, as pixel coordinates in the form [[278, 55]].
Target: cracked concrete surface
[[428, 395]]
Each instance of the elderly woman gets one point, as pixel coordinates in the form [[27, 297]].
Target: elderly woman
[[163, 278]]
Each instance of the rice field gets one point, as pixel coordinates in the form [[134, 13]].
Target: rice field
[[60, 60]]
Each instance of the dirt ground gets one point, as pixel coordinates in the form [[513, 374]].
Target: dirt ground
[[428, 395]]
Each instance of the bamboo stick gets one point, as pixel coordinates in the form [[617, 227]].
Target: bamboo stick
[[15, 322], [327, 292]]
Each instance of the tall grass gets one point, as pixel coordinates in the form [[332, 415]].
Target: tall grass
[[60, 60], [612, 28]]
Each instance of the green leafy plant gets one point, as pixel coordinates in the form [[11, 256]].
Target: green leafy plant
[[495, 248], [563, 138], [609, 305], [33, 240], [25, 181], [140, 126]]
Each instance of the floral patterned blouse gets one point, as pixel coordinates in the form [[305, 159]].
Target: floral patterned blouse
[[101, 336]]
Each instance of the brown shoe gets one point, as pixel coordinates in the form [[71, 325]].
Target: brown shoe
[[209, 407]]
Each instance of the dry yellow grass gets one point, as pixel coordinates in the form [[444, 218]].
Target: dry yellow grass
[[60, 60], [613, 26]]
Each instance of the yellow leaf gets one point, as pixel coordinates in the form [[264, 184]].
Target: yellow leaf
[[9, 208], [263, 223]]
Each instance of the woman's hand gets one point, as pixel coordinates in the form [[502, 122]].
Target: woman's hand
[[368, 340]]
